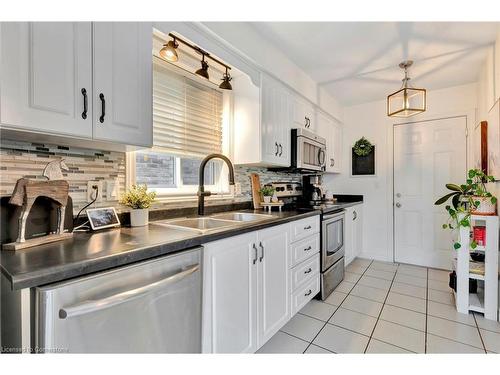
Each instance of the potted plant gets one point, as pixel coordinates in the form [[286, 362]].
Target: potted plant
[[267, 192], [139, 200], [471, 198]]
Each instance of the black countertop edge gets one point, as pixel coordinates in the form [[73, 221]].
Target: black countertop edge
[[348, 198], [63, 272]]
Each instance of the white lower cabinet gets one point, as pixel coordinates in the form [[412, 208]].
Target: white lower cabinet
[[246, 290], [353, 243], [251, 290]]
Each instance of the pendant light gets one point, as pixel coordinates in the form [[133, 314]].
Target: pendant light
[[225, 85], [407, 101], [168, 52], [203, 71]]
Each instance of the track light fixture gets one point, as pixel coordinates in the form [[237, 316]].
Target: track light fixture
[[168, 52], [225, 85], [203, 71]]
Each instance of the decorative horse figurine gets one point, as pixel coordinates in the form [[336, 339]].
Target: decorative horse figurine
[[27, 191]]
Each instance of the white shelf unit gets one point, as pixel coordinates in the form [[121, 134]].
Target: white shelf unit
[[486, 299]]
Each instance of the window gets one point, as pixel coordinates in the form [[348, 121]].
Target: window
[[187, 126]]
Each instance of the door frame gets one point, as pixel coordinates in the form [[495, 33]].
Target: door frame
[[470, 120]]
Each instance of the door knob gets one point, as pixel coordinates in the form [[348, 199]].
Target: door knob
[[398, 205], [398, 195]]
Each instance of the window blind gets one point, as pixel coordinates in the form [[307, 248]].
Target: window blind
[[187, 116]]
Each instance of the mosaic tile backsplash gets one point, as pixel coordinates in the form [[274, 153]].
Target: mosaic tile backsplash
[[24, 159]]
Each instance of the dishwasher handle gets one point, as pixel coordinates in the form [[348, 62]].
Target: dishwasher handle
[[116, 299]]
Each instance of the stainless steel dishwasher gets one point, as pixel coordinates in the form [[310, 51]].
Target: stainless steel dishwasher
[[149, 307]]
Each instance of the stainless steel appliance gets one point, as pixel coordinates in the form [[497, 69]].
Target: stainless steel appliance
[[308, 151], [313, 190], [149, 307], [332, 251]]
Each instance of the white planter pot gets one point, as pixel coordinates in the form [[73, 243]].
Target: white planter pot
[[485, 206], [267, 199], [139, 217]]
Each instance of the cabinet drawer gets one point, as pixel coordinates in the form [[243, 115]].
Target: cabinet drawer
[[305, 271], [304, 249], [304, 294], [304, 228]]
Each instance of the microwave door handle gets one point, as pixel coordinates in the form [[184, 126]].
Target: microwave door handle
[[321, 157], [86, 307]]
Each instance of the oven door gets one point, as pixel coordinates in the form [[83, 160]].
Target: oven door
[[310, 154], [332, 241]]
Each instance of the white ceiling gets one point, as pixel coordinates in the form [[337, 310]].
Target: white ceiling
[[357, 62]]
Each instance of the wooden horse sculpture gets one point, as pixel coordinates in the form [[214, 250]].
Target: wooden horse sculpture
[[27, 191]]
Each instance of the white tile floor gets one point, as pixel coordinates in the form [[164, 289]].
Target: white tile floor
[[387, 308]]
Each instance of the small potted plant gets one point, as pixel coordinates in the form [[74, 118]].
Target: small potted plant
[[471, 198], [139, 200], [267, 192]]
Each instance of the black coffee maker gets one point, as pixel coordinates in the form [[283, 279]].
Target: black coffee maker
[[312, 186]]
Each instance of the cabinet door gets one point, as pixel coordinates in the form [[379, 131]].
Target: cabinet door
[[123, 82], [349, 235], [45, 66], [336, 153], [358, 230], [303, 114], [274, 284], [230, 295], [275, 123]]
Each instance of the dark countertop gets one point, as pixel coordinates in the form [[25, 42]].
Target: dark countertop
[[86, 253]]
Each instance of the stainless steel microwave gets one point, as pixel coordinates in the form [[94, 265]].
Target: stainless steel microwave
[[308, 151]]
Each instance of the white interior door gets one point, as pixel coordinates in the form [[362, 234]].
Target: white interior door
[[427, 155]]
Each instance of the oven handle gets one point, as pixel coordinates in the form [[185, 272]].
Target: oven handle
[[116, 299]]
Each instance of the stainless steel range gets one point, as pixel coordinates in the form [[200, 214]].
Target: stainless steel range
[[332, 249]]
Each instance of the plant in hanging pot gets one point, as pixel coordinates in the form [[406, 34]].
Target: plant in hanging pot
[[267, 192], [471, 198], [139, 200]]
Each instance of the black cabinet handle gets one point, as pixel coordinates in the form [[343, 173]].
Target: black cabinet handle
[[308, 248], [103, 107], [354, 215], [262, 255], [308, 271], [277, 148], [281, 149], [308, 227], [256, 256], [85, 103], [308, 293]]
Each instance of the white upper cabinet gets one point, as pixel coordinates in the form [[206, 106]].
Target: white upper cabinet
[[53, 75], [262, 120], [275, 122], [303, 114], [46, 74], [331, 130], [123, 82]]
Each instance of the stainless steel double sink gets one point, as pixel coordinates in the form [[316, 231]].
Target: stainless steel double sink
[[215, 222]]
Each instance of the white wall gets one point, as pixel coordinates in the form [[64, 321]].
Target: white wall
[[371, 121]]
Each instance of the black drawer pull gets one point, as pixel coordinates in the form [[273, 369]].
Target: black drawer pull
[[308, 271], [308, 293], [277, 148], [281, 150], [308, 248], [308, 227], [103, 107], [85, 103]]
